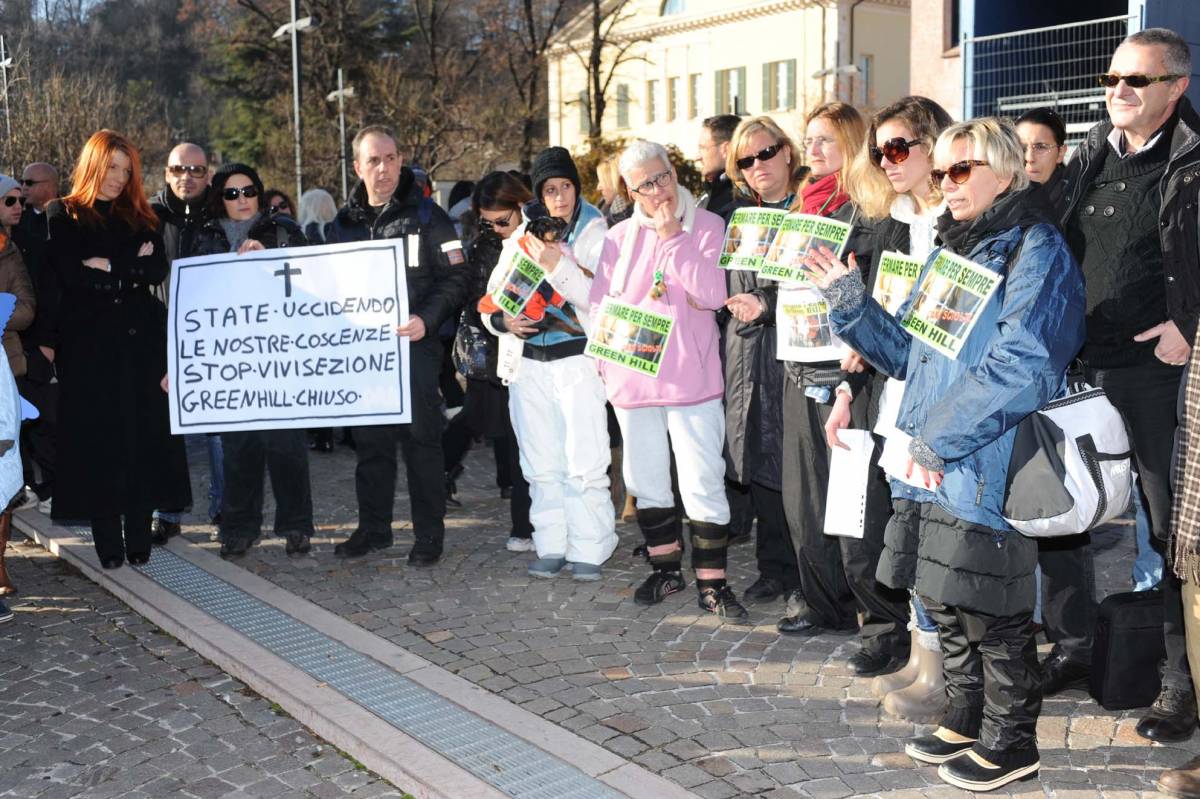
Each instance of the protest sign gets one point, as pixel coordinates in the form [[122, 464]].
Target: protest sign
[[519, 284], [290, 338], [630, 336], [895, 279], [802, 328], [749, 236], [952, 294], [798, 235]]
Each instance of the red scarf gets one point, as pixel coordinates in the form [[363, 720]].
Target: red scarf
[[822, 196]]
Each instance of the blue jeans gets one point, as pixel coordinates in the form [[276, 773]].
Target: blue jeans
[[1148, 566], [921, 616], [216, 473]]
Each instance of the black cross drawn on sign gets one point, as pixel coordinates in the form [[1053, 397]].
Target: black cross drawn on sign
[[286, 273]]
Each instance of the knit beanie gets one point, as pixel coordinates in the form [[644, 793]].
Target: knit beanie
[[554, 162], [216, 209], [7, 184]]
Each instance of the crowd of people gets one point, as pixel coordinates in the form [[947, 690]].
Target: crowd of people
[[1100, 267]]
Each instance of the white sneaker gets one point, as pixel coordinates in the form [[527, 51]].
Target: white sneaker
[[45, 506], [515, 544]]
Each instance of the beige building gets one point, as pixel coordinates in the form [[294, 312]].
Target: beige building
[[696, 58]]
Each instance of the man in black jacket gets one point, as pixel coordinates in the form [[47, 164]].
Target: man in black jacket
[[388, 203], [1131, 221], [715, 134]]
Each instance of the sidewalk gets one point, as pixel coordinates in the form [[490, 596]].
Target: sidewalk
[[719, 709]]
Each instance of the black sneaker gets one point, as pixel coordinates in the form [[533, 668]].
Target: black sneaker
[[721, 601], [866, 663], [162, 531], [658, 586], [934, 749], [764, 589], [297, 544], [235, 548], [1060, 673], [360, 543], [972, 772]]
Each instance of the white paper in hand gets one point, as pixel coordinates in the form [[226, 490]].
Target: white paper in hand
[[849, 470]]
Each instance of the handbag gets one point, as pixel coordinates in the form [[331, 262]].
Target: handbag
[[470, 352], [1071, 467]]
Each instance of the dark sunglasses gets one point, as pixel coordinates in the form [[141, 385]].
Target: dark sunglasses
[[1109, 80], [232, 194], [9, 202], [896, 150], [959, 173], [495, 223], [29, 184], [195, 170], [762, 155]]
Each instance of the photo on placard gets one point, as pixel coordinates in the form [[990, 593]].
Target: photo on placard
[[789, 246]]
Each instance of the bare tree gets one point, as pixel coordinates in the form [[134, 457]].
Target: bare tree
[[607, 52]]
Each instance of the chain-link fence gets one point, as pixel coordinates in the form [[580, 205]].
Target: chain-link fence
[[1010, 73]]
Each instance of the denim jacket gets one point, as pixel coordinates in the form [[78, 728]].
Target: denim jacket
[[1013, 363]]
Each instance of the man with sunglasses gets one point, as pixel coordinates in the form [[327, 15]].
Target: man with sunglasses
[[1130, 218]]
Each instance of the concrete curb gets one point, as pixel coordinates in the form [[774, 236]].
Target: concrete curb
[[397, 757]]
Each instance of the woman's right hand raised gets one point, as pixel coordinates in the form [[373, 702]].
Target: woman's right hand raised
[[250, 245], [745, 308]]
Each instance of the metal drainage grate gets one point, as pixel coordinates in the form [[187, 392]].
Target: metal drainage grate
[[499, 758]]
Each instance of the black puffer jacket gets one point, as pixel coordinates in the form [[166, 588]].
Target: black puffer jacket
[[273, 232], [437, 273], [178, 222], [1179, 219]]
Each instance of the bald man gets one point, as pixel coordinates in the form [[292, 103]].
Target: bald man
[[39, 185]]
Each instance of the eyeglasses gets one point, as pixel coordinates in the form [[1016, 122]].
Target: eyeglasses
[[195, 170], [1040, 147], [663, 179], [9, 202], [504, 221], [29, 184], [896, 150], [232, 194], [1109, 80], [959, 173], [764, 155]]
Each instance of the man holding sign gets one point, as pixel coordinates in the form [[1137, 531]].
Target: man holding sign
[[388, 203]]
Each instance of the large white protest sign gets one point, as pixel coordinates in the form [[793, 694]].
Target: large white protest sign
[[298, 337]]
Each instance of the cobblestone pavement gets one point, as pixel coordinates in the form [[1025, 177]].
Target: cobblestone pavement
[[96, 702], [724, 709]]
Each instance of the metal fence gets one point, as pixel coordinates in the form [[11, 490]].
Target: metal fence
[[1009, 73]]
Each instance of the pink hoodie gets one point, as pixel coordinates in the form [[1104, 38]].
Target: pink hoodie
[[690, 372]]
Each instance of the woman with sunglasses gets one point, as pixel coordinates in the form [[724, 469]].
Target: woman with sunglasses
[[116, 458], [891, 183], [1044, 137], [762, 167], [275, 201], [496, 202], [237, 223], [556, 398], [973, 572]]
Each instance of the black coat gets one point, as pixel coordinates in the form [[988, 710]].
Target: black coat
[[177, 224], [32, 237], [1179, 220], [116, 453], [437, 281], [272, 232]]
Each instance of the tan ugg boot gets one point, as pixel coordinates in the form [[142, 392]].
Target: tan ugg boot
[[925, 699], [884, 684]]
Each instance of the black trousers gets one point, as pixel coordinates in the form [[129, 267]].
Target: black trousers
[[741, 508], [284, 456], [837, 574], [37, 435], [773, 544], [993, 680], [421, 445], [1147, 397], [111, 542], [1068, 594]]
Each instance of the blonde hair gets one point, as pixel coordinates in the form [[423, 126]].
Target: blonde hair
[[849, 129], [868, 185], [608, 175], [747, 128], [993, 140]]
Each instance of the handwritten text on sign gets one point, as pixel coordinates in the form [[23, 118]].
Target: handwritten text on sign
[[298, 337]]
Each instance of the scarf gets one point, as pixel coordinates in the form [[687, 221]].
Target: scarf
[[685, 212], [1021, 208], [236, 231], [823, 196]]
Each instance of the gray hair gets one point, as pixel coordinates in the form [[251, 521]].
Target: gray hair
[[372, 130], [638, 153], [1177, 57], [316, 205], [993, 140]]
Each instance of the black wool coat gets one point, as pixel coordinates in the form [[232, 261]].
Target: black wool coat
[[116, 454]]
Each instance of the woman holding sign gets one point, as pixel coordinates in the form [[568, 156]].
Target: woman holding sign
[[1022, 297], [238, 223], [655, 298], [117, 459]]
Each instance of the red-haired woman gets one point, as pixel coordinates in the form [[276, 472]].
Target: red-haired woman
[[117, 460]]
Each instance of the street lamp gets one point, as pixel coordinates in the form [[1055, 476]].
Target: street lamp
[[340, 95], [294, 29], [849, 69]]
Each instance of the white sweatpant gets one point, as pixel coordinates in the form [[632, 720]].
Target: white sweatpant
[[557, 410], [696, 434]]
